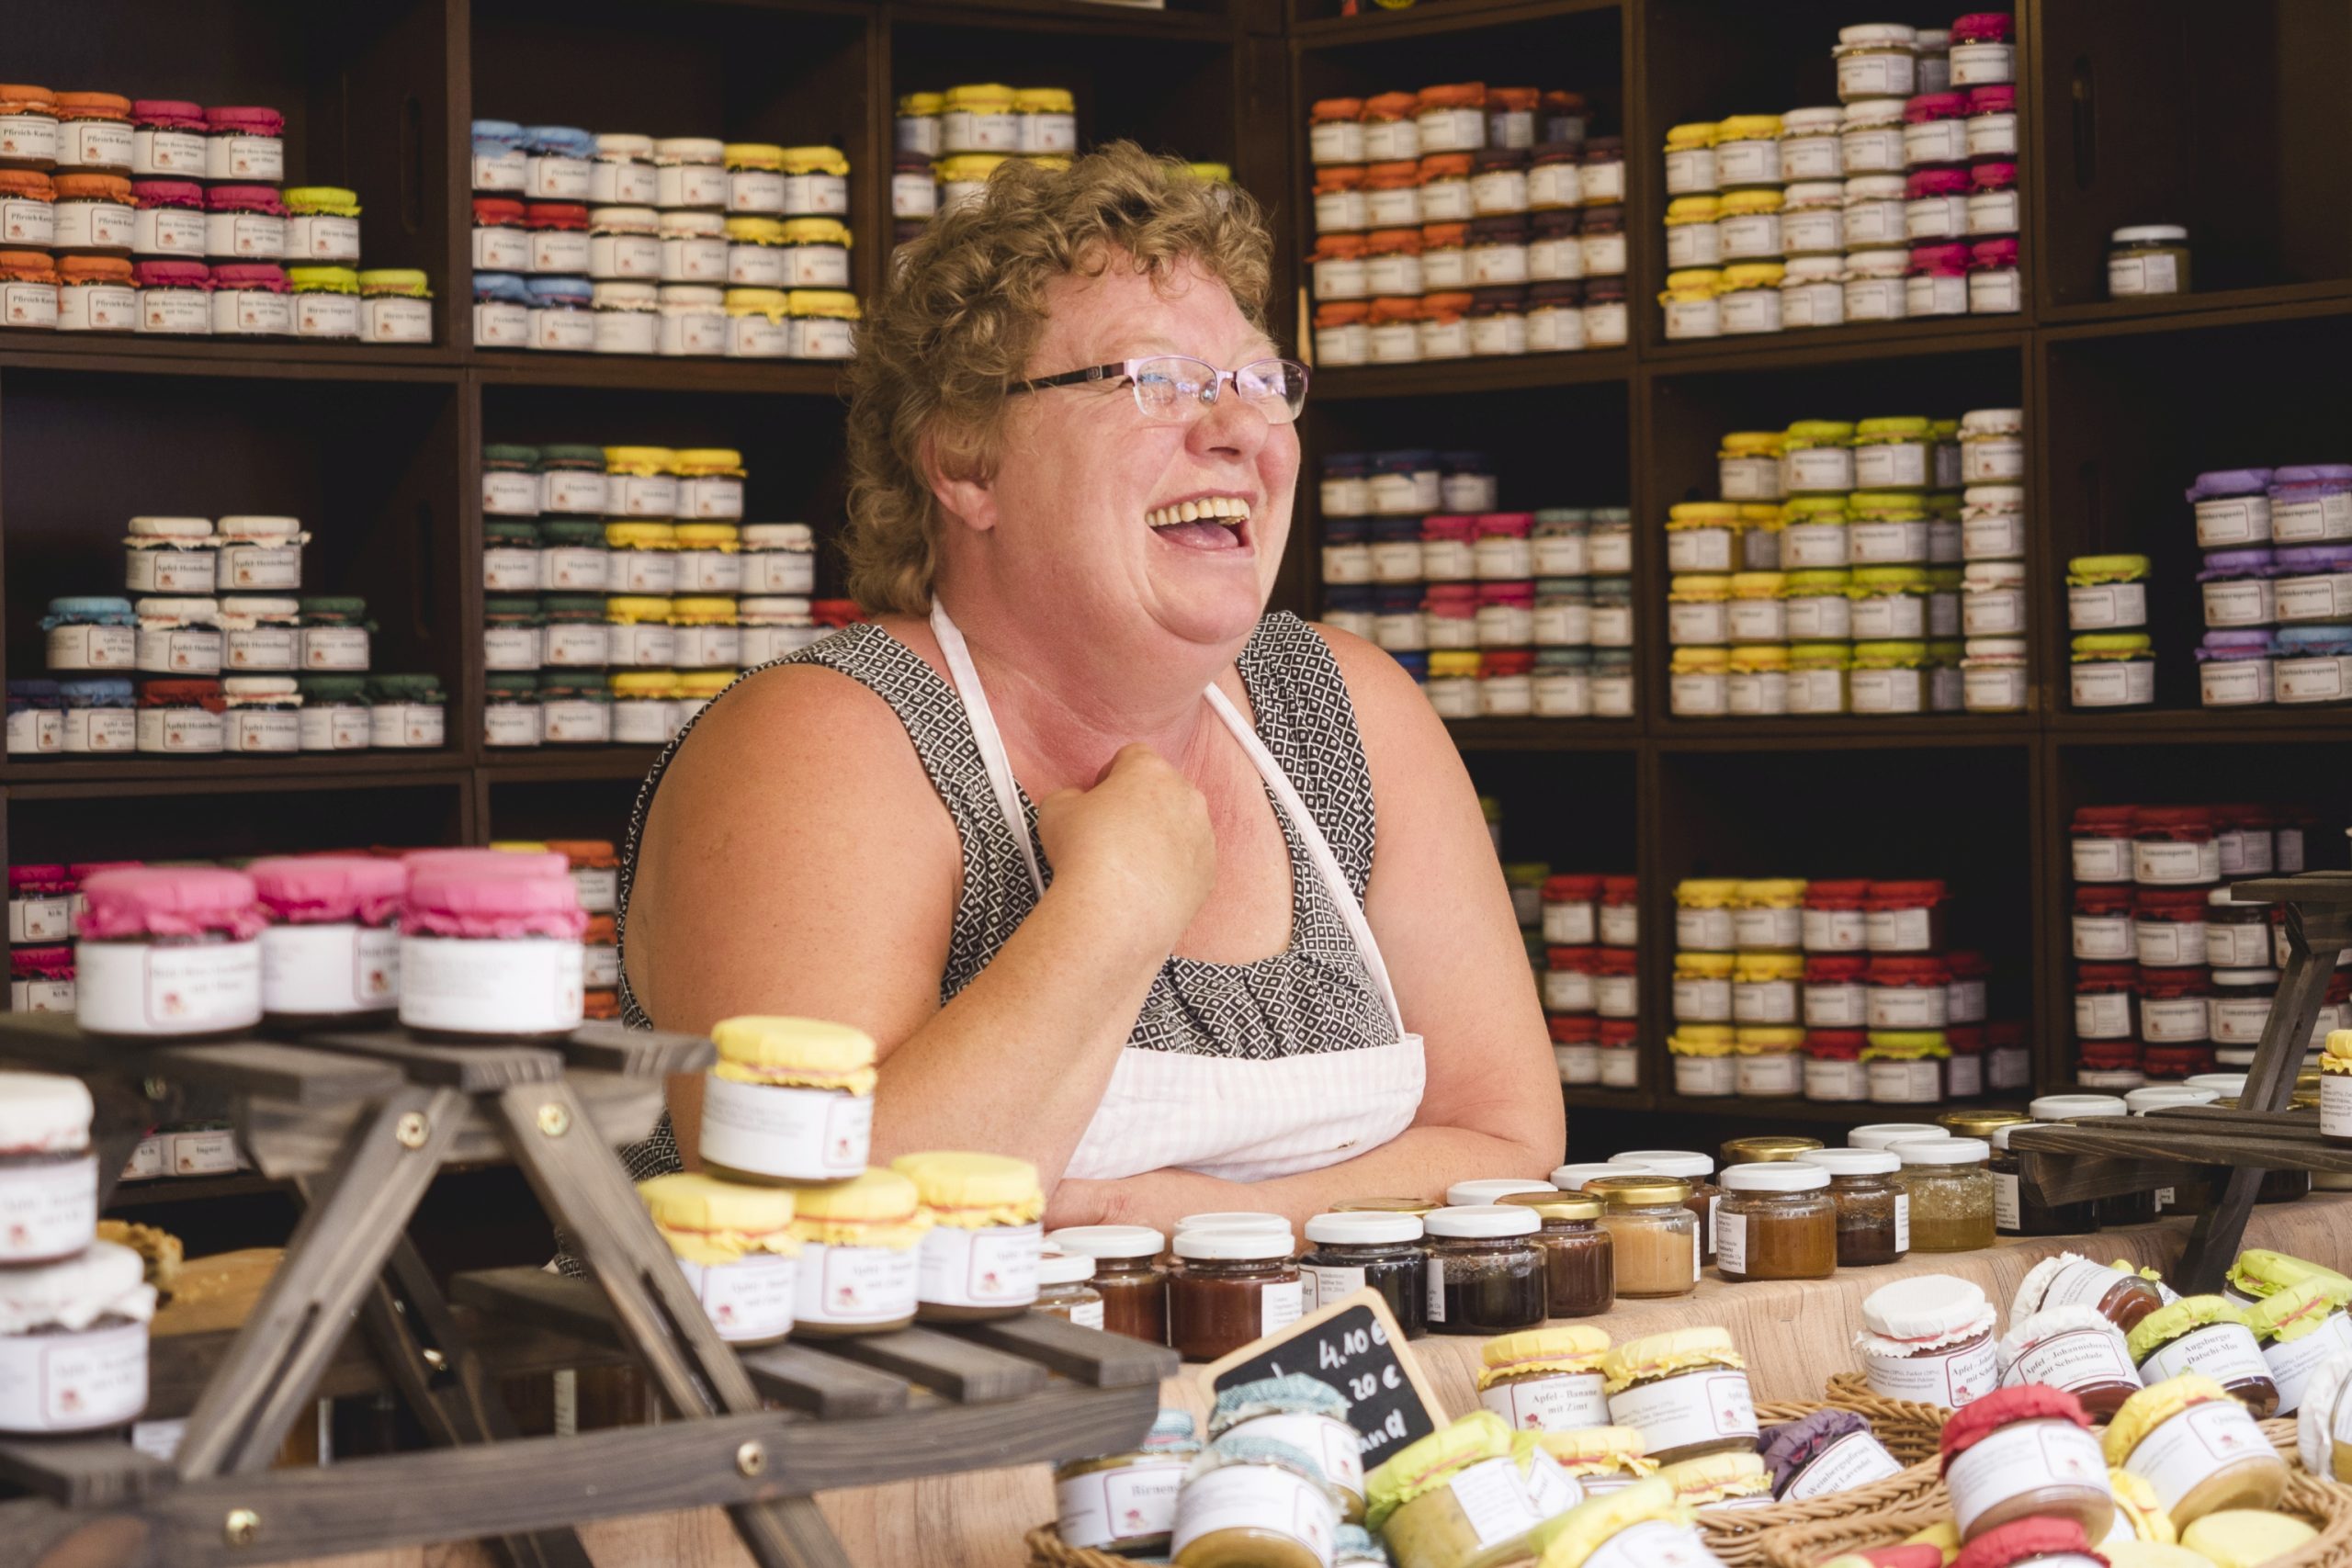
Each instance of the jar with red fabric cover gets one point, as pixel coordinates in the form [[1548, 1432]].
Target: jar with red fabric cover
[[2025, 1452], [1908, 993], [1905, 917], [1620, 1062], [2102, 842], [1835, 919], [2173, 1062], [1971, 976], [1835, 994], [1833, 1064], [1964, 1070], [2175, 846], [2110, 1065], [2174, 1006], [1620, 911], [2009, 1063], [2105, 1001], [2102, 924], [1576, 1047], [1615, 992], [2168, 927], [1567, 984]]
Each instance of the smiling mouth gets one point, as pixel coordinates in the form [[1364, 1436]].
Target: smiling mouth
[[1205, 522]]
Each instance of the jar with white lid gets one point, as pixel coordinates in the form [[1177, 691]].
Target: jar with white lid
[[1871, 139], [1812, 292], [694, 247], [1810, 144], [260, 553], [624, 244], [689, 172], [775, 627], [1992, 525], [1873, 211], [179, 635], [622, 173], [74, 1352], [627, 318], [1813, 218], [264, 632], [1994, 598], [1875, 282], [1877, 60], [170, 554], [264, 714], [694, 319]]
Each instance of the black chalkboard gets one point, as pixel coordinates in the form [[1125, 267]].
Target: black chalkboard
[[1356, 1346]]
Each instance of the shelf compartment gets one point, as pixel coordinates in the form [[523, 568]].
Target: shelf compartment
[[1319, 25], [1444, 377], [303, 815], [2151, 115]]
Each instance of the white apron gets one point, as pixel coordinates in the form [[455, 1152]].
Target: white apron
[[1227, 1117]]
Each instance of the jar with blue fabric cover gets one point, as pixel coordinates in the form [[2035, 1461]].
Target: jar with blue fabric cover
[[97, 715], [563, 314], [91, 632], [2313, 664], [36, 719], [502, 310], [557, 162]]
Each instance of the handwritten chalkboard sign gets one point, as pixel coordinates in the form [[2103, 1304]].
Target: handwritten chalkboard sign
[[1356, 1346]]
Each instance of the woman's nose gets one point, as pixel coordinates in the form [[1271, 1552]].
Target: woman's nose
[[1229, 425]]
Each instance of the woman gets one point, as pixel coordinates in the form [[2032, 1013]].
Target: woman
[[1125, 879]]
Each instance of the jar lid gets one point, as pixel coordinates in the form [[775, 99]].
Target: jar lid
[[1238, 1245], [2028, 1540], [1555, 1204], [1852, 1161], [1364, 1229], [2150, 234], [2059, 1107], [1777, 1176], [1109, 1241], [176, 900], [1233, 1219], [1685, 1163], [2227, 1084], [1486, 1190], [2140, 1102], [874, 1197], [810, 1052], [103, 1280], [1882, 1135], [1572, 1178], [1946, 1150], [1866, 34], [1482, 1221], [1638, 1188], [1926, 1306], [43, 1112], [970, 1189], [1064, 1268]]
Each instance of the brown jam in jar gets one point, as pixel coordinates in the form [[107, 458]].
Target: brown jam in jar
[[1580, 1261], [1234, 1286], [1127, 1276], [1776, 1222], [1485, 1273], [2017, 1212], [1873, 1211]]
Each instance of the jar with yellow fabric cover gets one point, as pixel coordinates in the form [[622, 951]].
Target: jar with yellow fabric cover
[[861, 1245], [790, 1100], [734, 1244], [980, 1257]]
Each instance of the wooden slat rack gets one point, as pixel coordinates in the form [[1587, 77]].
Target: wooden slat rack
[[2107, 1155], [360, 1124]]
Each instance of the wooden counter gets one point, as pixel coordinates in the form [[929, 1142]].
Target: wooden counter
[[1794, 1335]]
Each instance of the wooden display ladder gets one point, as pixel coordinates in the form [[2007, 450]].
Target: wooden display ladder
[[2111, 1155], [360, 1124]]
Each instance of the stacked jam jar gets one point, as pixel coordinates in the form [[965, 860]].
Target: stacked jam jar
[[1836, 990], [2276, 584], [624, 591], [1869, 567], [686, 245], [1498, 614], [1581, 932], [2172, 977], [1465, 219], [213, 648], [1900, 201], [162, 217]]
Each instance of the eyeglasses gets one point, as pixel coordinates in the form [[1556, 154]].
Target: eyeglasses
[[1174, 388]]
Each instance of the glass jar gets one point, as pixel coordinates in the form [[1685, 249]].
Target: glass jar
[[1873, 1208], [1653, 1232], [1349, 1252], [2026, 1453], [1127, 1276], [1685, 1392], [1230, 1287], [1777, 1221], [1951, 1192], [1484, 1275], [2208, 1336], [1580, 1267], [2148, 258], [1548, 1379]]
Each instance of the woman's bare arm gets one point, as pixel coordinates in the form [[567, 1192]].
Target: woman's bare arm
[[783, 875], [1442, 914]]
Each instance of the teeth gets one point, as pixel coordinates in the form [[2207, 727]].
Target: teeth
[[1210, 507]]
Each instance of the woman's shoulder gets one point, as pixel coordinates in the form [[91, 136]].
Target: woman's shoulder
[[1387, 702], [791, 721]]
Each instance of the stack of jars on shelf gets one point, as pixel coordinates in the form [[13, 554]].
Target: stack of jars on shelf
[[1901, 203], [1465, 219], [2112, 663], [686, 245], [625, 592], [1842, 990], [162, 217], [216, 654], [1829, 580], [2172, 978], [1582, 930], [595, 864], [2277, 584], [42, 903], [1500, 614]]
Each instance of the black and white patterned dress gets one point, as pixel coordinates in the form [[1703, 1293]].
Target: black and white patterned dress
[[1242, 1070]]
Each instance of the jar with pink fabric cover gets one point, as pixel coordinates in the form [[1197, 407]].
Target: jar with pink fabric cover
[[491, 946], [169, 953], [331, 954]]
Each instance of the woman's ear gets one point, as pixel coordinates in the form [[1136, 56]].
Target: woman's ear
[[959, 480]]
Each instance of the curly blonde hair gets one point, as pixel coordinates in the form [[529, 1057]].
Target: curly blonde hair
[[965, 307]]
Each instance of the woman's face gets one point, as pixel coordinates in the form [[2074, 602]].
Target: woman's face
[[1085, 514]]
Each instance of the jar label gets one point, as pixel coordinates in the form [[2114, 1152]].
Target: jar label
[[2031, 1456], [1831, 1080], [1653, 1543], [40, 918], [1260, 1497], [1855, 1460], [137, 987], [1493, 1496], [511, 724], [335, 647], [1568, 1402], [333, 968], [1906, 1083], [2313, 680], [2103, 1015], [994, 1265], [2166, 863], [1693, 1407], [1705, 1076], [2080, 1283], [100, 729], [1898, 930], [568, 331], [262, 648], [2102, 936], [2311, 522], [1902, 1222], [1134, 1502], [1964, 1077], [261, 565], [1621, 1069], [1567, 991], [1774, 1073], [188, 729], [2224, 1351], [169, 571], [799, 1134], [2079, 1357], [846, 1286], [748, 1299], [1908, 1006], [2186, 1451], [2232, 520], [2292, 1364], [1321, 1284], [2102, 860], [73, 1382], [86, 647], [600, 963], [1323, 1437], [2168, 943], [211, 1151], [510, 986], [51, 1211], [1836, 931], [1731, 1243], [498, 325], [1764, 1002], [2175, 1020], [1434, 1300], [2008, 1213]]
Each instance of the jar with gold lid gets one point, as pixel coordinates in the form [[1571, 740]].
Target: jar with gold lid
[[1654, 1235], [1766, 1147], [1580, 1261]]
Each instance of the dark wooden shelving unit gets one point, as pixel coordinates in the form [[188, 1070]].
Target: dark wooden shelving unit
[[2133, 112]]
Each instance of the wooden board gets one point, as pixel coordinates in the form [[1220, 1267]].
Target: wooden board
[[1355, 1345]]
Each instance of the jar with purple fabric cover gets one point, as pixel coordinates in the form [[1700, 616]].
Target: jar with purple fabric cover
[[2311, 503], [249, 300], [2313, 664], [2313, 582], [2234, 669], [2233, 508], [2237, 589]]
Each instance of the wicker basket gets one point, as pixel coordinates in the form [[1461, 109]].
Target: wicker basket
[[1048, 1550], [1911, 1432]]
